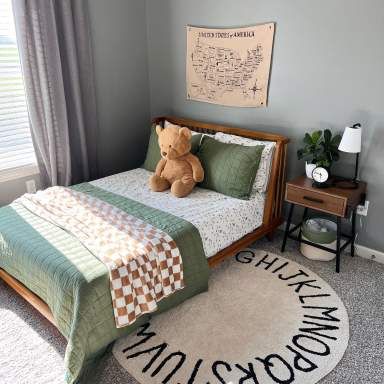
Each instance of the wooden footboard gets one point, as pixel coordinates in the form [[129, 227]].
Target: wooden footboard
[[272, 218]]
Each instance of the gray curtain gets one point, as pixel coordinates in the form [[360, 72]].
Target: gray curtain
[[56, 56]]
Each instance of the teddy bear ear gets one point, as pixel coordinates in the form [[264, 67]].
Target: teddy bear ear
[[159, 128], [185, 132]]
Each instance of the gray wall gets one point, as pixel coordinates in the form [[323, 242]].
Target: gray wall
[[9, 190], [327, 72], [120, 53]]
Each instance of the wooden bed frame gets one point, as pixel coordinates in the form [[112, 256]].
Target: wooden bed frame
[[272, 218]]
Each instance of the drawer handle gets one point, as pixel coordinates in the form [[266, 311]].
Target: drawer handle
[[313, 199]]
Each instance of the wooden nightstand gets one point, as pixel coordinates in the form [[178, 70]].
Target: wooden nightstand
[[333, 200]]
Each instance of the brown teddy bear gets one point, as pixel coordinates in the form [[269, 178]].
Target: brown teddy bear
[[178, 169]]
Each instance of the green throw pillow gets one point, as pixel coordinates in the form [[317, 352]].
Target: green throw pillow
[[153, 151], [229, 168]]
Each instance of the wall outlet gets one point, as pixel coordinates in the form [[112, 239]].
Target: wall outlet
[[363, 209], [31, 186]]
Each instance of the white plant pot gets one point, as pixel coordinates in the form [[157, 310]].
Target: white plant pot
[[309, 167]]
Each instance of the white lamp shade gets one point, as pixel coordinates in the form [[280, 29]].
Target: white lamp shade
[[351, 140]]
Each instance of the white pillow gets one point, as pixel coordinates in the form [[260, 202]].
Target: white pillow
[[262, 175], [168, 123]]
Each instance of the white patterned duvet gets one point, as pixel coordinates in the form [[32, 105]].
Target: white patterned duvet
[[220, 220]]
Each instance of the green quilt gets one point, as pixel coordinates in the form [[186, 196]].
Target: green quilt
[[75, 284]]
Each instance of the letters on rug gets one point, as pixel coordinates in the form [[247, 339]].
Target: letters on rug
[[264, 320]]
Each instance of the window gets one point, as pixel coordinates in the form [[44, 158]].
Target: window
[[17, 156]]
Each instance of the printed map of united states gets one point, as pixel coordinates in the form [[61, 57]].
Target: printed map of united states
[[223, 70]]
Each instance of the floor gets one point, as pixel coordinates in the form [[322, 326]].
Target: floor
[[31, 350]]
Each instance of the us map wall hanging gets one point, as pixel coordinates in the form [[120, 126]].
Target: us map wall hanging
[[229, 66]]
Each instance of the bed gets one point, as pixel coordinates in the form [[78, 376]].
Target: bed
[[69, 286]]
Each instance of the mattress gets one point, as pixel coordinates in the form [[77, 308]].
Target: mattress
[[220, 220]]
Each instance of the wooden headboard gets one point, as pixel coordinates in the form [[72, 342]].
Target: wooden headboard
[[275, 191]]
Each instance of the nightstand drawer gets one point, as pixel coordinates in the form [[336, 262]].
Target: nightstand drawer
[[318, 200]]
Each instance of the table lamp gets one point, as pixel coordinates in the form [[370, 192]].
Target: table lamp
[[351, 143]]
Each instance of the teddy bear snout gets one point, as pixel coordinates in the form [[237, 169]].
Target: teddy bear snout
[[169, 154]]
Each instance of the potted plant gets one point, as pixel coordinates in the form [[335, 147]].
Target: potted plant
[[320, 149]]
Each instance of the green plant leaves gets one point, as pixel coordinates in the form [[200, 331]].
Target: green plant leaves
[[316, 136], [327, 135], [307, 139], [320, 148], [336, 140], [312, 139]]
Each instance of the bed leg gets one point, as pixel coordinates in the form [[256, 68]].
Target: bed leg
[[271, 235]]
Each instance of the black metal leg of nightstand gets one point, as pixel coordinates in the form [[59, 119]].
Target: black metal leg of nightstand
[[353, 232], [305, 214], [338, 241], [287, 226]]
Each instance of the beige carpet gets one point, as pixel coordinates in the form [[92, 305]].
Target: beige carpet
[[265, 319]]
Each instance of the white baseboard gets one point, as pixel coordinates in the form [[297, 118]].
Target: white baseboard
[[360, 250], [369, 253]]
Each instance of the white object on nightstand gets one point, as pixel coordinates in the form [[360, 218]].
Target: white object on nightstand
[[309, 167]]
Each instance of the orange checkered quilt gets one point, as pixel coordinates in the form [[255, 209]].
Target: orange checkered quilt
[[144, 263]]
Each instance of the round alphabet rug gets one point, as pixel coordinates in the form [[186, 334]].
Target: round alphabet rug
[[264, 320]]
